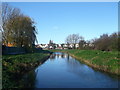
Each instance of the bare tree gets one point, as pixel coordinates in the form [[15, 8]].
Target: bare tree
[[7, 14], [73, 39], [18, 29], [107, 42], [82, 43]]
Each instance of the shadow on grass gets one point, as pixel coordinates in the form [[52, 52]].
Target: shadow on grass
[[16, 66]]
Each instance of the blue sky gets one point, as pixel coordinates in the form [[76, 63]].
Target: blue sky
[[56, 20]]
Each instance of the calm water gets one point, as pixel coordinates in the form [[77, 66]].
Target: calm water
[[63, 71]]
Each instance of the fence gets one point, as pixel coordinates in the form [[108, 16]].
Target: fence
[[13, 50]]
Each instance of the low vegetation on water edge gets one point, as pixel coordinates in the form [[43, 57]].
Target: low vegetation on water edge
[[101, 60], [15, 66]]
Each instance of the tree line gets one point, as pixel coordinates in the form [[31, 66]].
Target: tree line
[[20, 31], [17, 29], [105, 42]]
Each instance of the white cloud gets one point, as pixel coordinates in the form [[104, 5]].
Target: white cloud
[[56, 28]]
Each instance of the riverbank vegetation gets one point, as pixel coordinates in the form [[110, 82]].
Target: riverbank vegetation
[[15, 66], [105, 42], [100, 60]]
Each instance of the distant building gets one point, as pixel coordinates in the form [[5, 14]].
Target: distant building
[[43, 46], [77, 45], [52, 45]]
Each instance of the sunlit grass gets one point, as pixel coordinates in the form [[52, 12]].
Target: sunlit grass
[[102, 60]]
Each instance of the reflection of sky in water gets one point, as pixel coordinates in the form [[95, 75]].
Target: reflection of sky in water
[[61, 70]]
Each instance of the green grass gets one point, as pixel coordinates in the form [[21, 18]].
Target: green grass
[[102, 60], [15, 66]]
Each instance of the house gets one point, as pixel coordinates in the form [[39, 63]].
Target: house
[[77, 45], [43, 46], [59, 46]]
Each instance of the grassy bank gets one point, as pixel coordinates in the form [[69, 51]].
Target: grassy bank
[[15, 66], [100, 60]]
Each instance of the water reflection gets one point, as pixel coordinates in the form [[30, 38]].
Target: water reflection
[[63, 71], [58, 55], [52, 57]]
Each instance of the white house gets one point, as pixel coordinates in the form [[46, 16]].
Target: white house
[[77, 45]]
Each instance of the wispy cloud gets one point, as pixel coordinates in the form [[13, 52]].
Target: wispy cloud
[[55, 27]]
